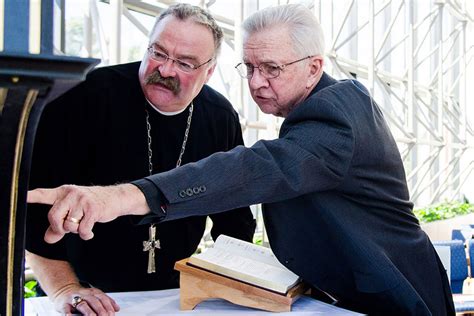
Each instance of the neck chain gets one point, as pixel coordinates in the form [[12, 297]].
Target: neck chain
[[183, 145], [152, 242]]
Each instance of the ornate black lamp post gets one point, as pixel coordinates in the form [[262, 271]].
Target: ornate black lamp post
[[27, 83]]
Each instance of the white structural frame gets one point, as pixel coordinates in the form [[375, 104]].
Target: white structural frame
[[415, 57]]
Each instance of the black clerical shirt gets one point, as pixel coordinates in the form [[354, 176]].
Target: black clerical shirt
[[96, 135]]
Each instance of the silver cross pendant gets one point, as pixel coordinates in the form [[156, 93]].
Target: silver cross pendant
[[150, 246]]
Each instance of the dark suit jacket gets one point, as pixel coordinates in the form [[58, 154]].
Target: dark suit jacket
[[336, 203]]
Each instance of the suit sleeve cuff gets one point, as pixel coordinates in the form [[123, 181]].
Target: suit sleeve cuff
[[155, 200]]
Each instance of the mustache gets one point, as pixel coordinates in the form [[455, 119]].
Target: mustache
[[169, 83]]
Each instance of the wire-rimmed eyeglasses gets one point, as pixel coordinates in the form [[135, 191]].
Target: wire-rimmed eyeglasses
[[267, 70], [161, 57]]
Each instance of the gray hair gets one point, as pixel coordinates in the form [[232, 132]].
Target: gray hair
[[303, 26], [183, 12]]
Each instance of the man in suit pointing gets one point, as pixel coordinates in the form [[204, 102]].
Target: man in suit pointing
[[335, 199]]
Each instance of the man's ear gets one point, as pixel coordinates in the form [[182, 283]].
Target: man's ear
[[316, 70], [210, 71]]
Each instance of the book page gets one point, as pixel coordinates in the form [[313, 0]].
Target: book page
[[246, 262], [246, 249]]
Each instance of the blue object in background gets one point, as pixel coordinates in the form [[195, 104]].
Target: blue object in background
[[458, 263]]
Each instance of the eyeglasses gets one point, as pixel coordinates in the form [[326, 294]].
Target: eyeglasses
[[180, 65], [267, 70]]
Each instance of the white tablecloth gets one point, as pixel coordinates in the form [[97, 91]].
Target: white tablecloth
[[167, 303]]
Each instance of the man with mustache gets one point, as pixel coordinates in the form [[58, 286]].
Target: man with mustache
[[335, 200], [126, 122]]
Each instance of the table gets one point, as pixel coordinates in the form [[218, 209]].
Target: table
[[166, 302]]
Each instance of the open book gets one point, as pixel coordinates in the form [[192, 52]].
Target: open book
[[246, 262]]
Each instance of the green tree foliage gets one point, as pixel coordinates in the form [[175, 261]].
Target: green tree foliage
[[443, 211], [30, 288], [74, 36]]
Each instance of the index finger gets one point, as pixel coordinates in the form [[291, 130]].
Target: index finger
[[42, 196]]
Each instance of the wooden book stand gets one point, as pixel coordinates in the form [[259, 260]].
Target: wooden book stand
[[197, 285]]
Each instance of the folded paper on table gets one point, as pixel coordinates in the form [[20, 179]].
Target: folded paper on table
[[461, 298]]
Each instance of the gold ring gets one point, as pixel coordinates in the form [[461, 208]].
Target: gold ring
[[73, 220], [76, 300]]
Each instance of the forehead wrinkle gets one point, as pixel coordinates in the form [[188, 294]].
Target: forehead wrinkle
[[186, 37], [261, 53], [267, 49]]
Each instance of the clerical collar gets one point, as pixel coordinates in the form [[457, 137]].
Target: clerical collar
[[166, 113]]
